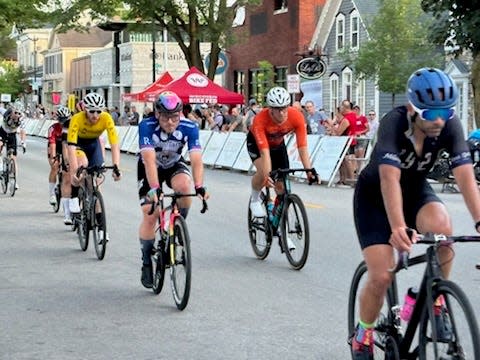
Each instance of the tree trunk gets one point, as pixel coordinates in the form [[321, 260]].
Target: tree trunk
[[475, 78]]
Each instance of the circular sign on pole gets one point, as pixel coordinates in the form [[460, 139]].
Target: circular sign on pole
[[311, 68], [222, 63]]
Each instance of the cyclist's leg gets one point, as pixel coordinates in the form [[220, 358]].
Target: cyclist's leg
[[373, 231], [12, 144], [263, 167], [146, 231], [432, 216], [82, 160], [52, 175], [66, 186], [181, 181]]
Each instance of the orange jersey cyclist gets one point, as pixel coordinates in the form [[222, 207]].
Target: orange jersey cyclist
[[266, 146], [84, 146]]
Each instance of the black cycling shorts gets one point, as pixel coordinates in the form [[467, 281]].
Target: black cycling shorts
[[164, 175], [278, 155], [369, 213]]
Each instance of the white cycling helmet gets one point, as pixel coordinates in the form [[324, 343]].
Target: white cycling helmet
[[278, 97], [94, 101], [63, 114]]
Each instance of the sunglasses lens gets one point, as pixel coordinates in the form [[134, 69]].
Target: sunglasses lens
[[94, 111], [434, 114]]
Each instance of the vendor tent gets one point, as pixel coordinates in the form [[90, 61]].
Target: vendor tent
[[196, 88], [151, 92]]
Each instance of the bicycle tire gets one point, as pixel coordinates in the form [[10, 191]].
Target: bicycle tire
[[58, 196], [12, 177], [100, 244], [4, 180], [294, 226], [181, 268], [82, 222], [260, 233], [385, 342], [159, 271], [465, 339]]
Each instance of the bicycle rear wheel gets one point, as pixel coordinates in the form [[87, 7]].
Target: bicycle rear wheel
[[260, 233], [12, 177], [100, 225], [82, 220], [458, 320], [295, 232], [386, 346], [4, 181], [181, 263]]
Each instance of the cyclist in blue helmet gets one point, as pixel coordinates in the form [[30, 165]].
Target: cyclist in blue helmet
[[162, 138], [392, 193]]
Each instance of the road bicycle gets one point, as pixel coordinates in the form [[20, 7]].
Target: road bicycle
[[172, 248], [8, 173], [92, 214], [394, 339], [287, 220], [58, 182]]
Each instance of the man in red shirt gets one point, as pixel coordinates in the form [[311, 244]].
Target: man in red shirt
[[347, 127]]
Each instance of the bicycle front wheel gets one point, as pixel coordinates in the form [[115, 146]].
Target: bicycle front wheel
[[99, 225], [82, 222], [260, 233], [181, 263], [384, 336], [456, 334], [58, 196], [12, 177], [295, 232]]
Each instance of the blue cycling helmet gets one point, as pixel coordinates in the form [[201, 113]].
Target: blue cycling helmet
[[430, 88], [168, 102]]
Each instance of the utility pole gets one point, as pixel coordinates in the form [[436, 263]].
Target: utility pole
[[35, 39]]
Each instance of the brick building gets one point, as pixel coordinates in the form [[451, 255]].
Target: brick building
[[274, 32]]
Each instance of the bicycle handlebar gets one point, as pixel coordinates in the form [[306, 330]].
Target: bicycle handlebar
[[281, 173], [429, 239], [174, 196], [95, 169]]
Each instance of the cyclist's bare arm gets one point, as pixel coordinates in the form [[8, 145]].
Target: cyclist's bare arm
[[115, 149], [149, 161], [467, 184], [197, 167], [393, 201]]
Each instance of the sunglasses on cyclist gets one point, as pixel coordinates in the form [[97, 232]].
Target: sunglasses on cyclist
[[434, 114], [95, 111]]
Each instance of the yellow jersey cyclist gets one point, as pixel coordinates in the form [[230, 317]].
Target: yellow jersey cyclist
[[84, 145], [393, 194]]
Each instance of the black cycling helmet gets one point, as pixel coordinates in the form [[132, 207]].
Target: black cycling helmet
[[168, 102]]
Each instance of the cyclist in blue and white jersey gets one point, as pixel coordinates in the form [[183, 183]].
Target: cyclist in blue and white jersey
[[392, 192], [162, 138]]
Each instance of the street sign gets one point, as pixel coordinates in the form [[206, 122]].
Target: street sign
[[222, 63], [293, 83], [311, 68], [6, 97]]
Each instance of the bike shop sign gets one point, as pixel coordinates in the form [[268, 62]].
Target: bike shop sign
[[311, 68]]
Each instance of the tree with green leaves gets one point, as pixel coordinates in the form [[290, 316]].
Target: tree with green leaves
[[12, 79], [397, 46], [190, 22], [457, 25]]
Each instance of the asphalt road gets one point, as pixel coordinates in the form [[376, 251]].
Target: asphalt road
[[58, 302]]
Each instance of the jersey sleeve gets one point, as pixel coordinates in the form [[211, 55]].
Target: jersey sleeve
[[193, 141], [72, 134], [258, 130], [145, 133], [459, 152], [296, 118], [112, 133], [51, 134], [387, 144]]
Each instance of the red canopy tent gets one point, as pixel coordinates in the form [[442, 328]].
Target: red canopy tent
[[195, 88], [150, 92]]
